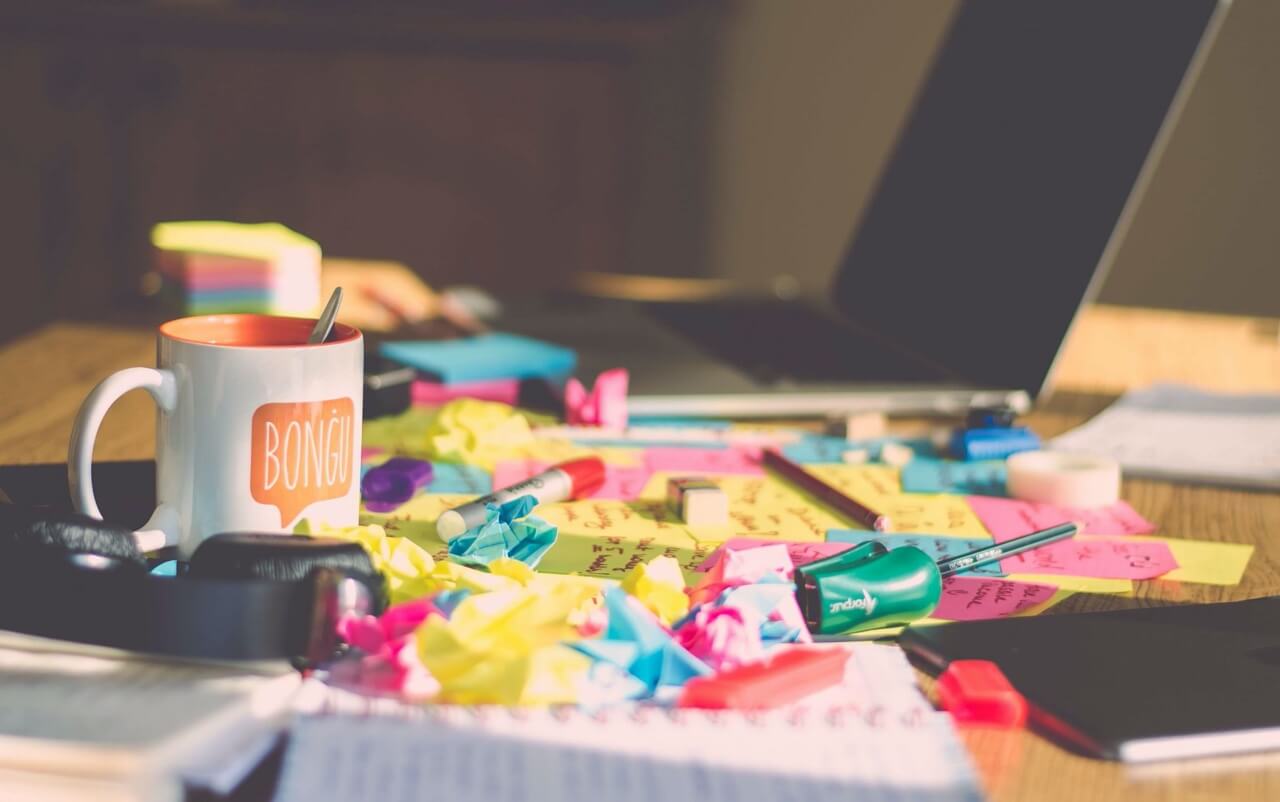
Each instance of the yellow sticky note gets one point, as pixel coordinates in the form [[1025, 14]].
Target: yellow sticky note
[[1207, 562], [613, 557], [760, 506], [878, 487], [416, 520], [1059, 596], [1078, 584]]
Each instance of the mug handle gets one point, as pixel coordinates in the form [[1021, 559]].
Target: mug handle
[[162, 528]]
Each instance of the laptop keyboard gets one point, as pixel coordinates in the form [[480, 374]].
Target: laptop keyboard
[[782, 342]]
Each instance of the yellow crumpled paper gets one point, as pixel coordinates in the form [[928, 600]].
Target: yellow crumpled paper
[[411, 573], [476, 432], [505, 647], [659, 586]]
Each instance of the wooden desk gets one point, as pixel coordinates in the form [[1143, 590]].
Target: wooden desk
[[48, 373]]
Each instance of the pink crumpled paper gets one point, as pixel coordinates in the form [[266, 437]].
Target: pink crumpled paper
[[386, 665], [604, 406], [722, 637]]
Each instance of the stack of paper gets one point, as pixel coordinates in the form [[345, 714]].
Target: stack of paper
[[211, 267], [91, 723], [1174, 432]]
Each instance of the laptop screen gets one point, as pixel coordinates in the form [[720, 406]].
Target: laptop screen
[[1011, 174]]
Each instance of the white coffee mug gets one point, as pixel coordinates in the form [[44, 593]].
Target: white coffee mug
[[256, 429]]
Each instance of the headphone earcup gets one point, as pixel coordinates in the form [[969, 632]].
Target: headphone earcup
[[27, 530], [281, 558]]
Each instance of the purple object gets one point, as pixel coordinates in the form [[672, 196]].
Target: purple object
[[394, 482], [418, 470]]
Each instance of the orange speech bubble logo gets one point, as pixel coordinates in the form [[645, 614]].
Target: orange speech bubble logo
[[301, 453]]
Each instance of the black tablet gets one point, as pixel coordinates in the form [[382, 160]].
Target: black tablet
[[1134, 685]]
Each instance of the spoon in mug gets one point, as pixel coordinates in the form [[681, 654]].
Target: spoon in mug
[[325, 324]]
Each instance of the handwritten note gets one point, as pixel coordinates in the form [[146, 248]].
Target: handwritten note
[[978, 478], [878, 487], [972, 599], [801, 553], [613, 557], [416, 520], [761, 506], [1009, 518], [1102, 557], [936, 546]]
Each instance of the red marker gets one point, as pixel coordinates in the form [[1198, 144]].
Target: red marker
[[572, 479], [782, 679], [977, 692]]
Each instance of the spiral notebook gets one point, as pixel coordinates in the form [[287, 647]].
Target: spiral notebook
[[878, 739]]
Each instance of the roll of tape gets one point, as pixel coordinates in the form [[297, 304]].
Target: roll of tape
[[1056, 477]]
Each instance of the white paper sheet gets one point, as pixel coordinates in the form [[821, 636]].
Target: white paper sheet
[[1175, 432]]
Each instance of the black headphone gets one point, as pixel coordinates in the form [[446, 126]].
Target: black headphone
[[244, 596]]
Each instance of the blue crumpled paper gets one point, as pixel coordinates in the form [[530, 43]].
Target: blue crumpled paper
[[635, 642], [508, 531]]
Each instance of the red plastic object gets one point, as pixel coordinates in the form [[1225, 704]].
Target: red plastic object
[[977, 692], [786, 677], [585, 474]]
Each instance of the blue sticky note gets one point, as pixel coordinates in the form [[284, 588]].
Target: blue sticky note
[[483, 357], [819, 449], [980, 478], [937, 546], [453, 477]]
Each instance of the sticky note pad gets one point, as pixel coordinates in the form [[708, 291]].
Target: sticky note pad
[[978, 478], [484, 357]]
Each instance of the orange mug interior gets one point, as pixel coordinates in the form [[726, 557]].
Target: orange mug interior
[[252, 331]]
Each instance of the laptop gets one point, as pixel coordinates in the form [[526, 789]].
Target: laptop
[[1138, 685], [995, 219]]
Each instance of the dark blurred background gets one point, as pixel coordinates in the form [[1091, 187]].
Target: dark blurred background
[[515, 144]]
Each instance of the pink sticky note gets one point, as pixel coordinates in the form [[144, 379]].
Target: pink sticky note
[[967, 598], [506, 391], [800, 553], [605, 405], [1100, 557], [370, 451], [1007, 518], [704, 461]]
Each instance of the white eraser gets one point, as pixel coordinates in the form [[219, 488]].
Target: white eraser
[[865, 425], [896, 454], [699, 502]]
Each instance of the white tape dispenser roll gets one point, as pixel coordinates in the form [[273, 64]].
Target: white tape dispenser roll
[[1070, 480]]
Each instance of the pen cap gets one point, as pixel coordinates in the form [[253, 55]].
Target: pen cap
[[586, 475], [884, 590]]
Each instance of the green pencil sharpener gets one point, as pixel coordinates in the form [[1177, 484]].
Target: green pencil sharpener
[[867, 587]]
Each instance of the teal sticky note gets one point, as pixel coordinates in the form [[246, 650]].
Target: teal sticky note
[[483, 357], [977, 478], [818, 449]]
